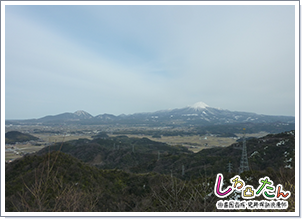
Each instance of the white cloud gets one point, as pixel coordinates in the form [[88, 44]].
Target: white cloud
[[146, 59]]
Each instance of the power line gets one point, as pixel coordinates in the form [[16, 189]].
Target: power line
[[244, 161]]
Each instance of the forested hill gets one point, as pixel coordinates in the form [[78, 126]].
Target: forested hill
[[12, 137], [137, 155], [108, 178]]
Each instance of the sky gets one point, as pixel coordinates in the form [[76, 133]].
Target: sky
[[125, 59]]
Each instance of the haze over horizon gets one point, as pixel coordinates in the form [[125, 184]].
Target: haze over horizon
[[198, 105], [143, 58]]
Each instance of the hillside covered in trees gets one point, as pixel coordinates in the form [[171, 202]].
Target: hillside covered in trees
[[133, 174], [12, 137]]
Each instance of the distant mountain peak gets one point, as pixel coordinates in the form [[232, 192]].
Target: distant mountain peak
[[199, 114], [82, 113], [199, 105]]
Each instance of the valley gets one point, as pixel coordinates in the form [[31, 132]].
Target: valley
[[51, 135], [141, 160], [139, 174]]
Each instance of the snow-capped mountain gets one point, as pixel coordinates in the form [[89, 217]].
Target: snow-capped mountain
[[106, 117], [78, 115], [199, 105], [198, 114], [83, 115], [201, 113]]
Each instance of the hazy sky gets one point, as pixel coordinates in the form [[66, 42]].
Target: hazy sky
[[126, 59]]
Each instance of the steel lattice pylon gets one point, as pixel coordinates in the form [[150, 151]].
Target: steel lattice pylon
[[229, 167], [244, 161]]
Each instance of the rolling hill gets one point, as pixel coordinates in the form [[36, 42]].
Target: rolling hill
[[137, 155], [69, 181], [12, 137]]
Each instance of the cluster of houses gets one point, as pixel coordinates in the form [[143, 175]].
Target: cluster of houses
[[12, 148]]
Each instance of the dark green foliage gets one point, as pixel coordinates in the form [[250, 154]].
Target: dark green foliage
[[141, 155], [221, 130], [84, 187], [156, 136], [273, 127], [101, 135], [130, 154], [61, 177], [12, 137]]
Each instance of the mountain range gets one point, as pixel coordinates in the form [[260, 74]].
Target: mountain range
[[198, 114]]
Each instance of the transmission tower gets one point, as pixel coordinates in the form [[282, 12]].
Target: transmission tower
[[229, 167], [244, 161]]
